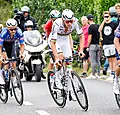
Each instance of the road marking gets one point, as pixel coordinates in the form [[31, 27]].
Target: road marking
[[27, 103], [42, 112]]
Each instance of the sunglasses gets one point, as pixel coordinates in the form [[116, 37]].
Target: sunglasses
[[69, 21], [29, 26], [14, 29], [106, 16]]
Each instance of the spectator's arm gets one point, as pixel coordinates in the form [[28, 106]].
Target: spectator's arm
[[101, 27]]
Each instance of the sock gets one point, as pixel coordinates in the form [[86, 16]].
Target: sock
[[113, 73]]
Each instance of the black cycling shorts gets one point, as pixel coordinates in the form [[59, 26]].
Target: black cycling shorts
[[10, 49]]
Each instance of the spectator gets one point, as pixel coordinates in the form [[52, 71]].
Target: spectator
[[94, 48], [25, 16], [107, 29], [85, 27]]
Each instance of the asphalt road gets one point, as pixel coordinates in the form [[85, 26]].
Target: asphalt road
[[38, 101]]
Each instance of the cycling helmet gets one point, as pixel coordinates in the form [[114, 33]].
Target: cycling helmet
[[11, 22], [29, 23], [55, 14], [67, 14], [25, 9], [112, 11]]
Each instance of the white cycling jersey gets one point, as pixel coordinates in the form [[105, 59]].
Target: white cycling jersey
[[61, 36]]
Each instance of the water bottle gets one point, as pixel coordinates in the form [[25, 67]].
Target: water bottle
[[51, 77]]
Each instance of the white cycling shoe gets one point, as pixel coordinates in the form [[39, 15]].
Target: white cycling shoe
[[116, 88], [2, 82], [72, 94]]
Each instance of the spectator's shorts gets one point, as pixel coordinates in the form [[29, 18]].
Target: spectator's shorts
[[86, 54], [109, 50]]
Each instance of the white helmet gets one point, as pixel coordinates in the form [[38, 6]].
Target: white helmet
[[67, 14], [29, 23], [55, 14], [11, 22], [25, 9]]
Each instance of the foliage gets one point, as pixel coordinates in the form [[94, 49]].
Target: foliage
[[5, 11]]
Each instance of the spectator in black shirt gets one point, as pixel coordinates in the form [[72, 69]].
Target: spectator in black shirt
[[107, 28], [94, 48]]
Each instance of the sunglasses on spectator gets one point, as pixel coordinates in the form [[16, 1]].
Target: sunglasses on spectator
[[69, 21], [13, 29], [106, 16]]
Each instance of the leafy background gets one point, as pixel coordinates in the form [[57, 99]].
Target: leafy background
[[40, 9]]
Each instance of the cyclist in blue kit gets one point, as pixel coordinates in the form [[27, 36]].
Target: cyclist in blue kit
[[8, 37]]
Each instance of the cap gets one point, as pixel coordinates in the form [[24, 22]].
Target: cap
[[90, 17]]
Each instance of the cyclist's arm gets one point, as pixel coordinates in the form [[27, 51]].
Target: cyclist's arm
[[53, 38], [71, 41], [22, 46], [117, 44]]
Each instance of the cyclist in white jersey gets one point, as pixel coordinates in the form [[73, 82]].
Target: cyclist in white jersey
[[60, 39]]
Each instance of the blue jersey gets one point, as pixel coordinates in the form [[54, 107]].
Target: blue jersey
[[5, 36]]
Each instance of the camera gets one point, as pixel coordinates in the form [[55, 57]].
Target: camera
[[18, 14]]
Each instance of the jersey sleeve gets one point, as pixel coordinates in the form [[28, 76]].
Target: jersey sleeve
[[20, 36], [53, 34], [3, 36], [78, 27]]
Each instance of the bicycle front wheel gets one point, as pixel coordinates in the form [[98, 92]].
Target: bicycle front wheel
[[4, 93], [59, 96], [117, 97], [17, 87], [79, 90]]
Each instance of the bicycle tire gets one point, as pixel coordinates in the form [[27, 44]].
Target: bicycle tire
[[54, 93], [19, 87], [117, 97], [79, 88], [4, 93]]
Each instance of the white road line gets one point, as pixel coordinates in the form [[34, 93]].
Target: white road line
[[42, 112], [27, 103]]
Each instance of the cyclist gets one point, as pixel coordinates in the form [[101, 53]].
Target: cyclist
[[8, 38], [54, 14], [60, 39], [26, 16], [117, 46]]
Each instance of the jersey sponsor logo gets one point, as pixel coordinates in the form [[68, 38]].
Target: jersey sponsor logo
[[107, 30]]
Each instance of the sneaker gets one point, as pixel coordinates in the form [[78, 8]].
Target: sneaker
[[91, 77], [2, 82], [84, 74], [58, 83], [104, 72], [116, 88], [72, 96]]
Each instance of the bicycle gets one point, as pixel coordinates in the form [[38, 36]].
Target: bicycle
[[60, 95], [9, 84]]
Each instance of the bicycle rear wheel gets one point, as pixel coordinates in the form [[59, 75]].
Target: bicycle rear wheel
[[79, 91], [59, 96], [117, 97], [17, 87], [3, 93]]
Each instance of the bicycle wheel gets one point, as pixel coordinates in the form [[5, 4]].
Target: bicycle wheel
[[59, 96], [3, 93], [79, 91], [117, 97], [17, 87]]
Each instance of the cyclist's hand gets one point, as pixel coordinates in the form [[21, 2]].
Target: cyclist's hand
[[58, 63], [22, 56]]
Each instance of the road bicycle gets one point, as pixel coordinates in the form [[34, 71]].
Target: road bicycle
[[66, 73], [12, 84]]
